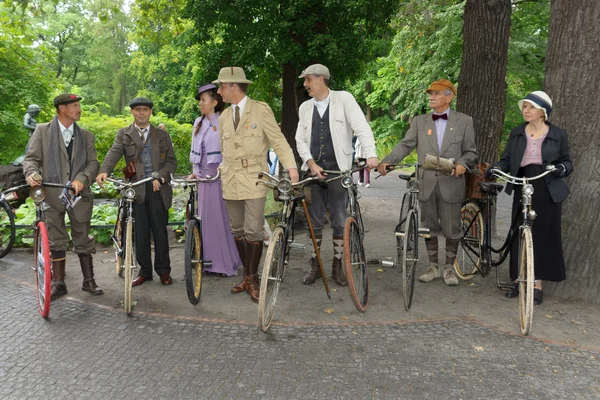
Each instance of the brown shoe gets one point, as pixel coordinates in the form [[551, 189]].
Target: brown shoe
[[240, 244], [140, 280], [337, 274], [58, 288], [165, 279], [313, 273], [253, 288], [87, 269], [253, 253]]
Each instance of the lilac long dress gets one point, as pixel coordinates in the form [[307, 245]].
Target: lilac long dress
[[219, 245]]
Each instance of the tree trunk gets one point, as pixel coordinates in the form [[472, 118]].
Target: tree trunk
[[573, 82], [482, 81], [289, 107]]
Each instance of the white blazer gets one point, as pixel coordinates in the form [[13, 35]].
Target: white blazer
[[345, 119]]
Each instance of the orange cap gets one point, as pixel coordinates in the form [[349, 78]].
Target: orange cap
[[442, 84]]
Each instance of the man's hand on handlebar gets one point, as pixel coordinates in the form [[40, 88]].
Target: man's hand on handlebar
[[294, 176], [372, 162], [458, 171], [34, 179], [315, 170], [382, 168], [77, 187], [101, 178]]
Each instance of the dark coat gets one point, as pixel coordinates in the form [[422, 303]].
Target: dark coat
[[555, 150]]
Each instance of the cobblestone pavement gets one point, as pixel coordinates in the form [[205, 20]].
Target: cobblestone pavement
[[87, 351]]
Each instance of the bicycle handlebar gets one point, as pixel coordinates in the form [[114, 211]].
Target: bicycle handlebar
[[301, 183], [521, 181], [185, 181], [124, 184], [361, 165]]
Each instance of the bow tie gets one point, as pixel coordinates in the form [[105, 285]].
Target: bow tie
[[438, 116]]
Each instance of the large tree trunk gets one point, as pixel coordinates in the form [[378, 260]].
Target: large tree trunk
[[482, 81], [289, 106], [573, 84]]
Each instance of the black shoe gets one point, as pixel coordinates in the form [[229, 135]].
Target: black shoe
[[538, 297], [512, 292]]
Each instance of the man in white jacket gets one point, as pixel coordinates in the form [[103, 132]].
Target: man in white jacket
[[324, 142]]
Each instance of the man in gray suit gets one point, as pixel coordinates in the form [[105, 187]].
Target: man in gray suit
[[449, 134], [61, 152], [150, 149]]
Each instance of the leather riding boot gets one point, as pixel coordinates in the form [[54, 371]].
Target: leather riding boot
[[87, 269], [253, 258], [58, 288], [240, 243], [337, 274], [314, 273]]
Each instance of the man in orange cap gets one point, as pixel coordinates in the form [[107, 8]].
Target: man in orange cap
[[449, 134]]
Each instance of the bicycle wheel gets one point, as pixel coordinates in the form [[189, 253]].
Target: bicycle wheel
[[409, 259], [400, 228], [118, 241], [468, 257], [193, 260], [128, 268], [355, 265], [526, 280], [43, 264], [7, 229], [272, 275]]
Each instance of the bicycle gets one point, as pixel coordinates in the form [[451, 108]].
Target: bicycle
[[42, 263], [354, 259], [123, 239], [408, 231], [476, 244], [194, 260], [7, 219], [282, 240]]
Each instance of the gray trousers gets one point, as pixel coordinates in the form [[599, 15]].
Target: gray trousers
[[337, 197], [58, 236], [440, 216]]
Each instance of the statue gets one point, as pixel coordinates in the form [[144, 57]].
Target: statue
[[29, 121]]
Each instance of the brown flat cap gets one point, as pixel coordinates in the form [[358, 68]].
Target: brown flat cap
[[442, 84], [65, 98]]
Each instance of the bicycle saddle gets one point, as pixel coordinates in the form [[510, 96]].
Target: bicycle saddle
[[491, 187], [406, 177]]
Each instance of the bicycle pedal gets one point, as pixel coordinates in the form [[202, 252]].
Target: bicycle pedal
[[425, 235], [207, 264], [424, 230], [391, 264], [296, 245], [400, 234]]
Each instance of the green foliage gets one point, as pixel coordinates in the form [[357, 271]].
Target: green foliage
[[388, 133]]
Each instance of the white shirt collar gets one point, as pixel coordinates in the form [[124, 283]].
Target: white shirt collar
[[241, 105], [62, 127]]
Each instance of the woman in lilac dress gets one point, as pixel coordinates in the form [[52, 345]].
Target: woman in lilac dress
[[219, 245]]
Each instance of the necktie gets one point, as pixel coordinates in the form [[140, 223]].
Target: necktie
[[438, 116], [143, 134], [236, 118], [67, 136]]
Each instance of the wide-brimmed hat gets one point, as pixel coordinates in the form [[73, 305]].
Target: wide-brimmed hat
[[539, 100], [141, 101], [204, 88], [442, 84], [316, 69], [231, 75], [65, 98]]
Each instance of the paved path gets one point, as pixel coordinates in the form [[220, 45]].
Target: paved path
[[461, 342]]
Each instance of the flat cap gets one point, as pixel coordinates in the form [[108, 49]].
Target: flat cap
[[316, 69], [141, 101], [442, 84], [65, 98]]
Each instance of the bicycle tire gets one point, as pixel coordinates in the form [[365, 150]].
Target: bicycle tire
[[7, 229], [400, 228], [526, 280], [193, 260], [355, 265], [118, 242], [43, 271], [466, 263], [272, 276], [409, 259], [128, 270]]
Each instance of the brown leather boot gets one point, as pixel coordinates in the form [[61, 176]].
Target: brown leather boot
[[240, 243], [58, 288], [87, 269], [314, 273], [253, 257], [337, 274]]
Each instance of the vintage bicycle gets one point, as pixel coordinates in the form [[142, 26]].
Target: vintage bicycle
[[475, 252], [123, 235], [282, 240], [7, 218], [354, 259], [194, 261]]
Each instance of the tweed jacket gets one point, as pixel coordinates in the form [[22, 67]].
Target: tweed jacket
[[37, 158], [129, 144], [555, 150], [458, 143], [245, 150], [345, 119]]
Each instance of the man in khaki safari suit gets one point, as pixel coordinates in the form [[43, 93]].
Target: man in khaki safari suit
[[449, 134], [61, 152], [248, 128]]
